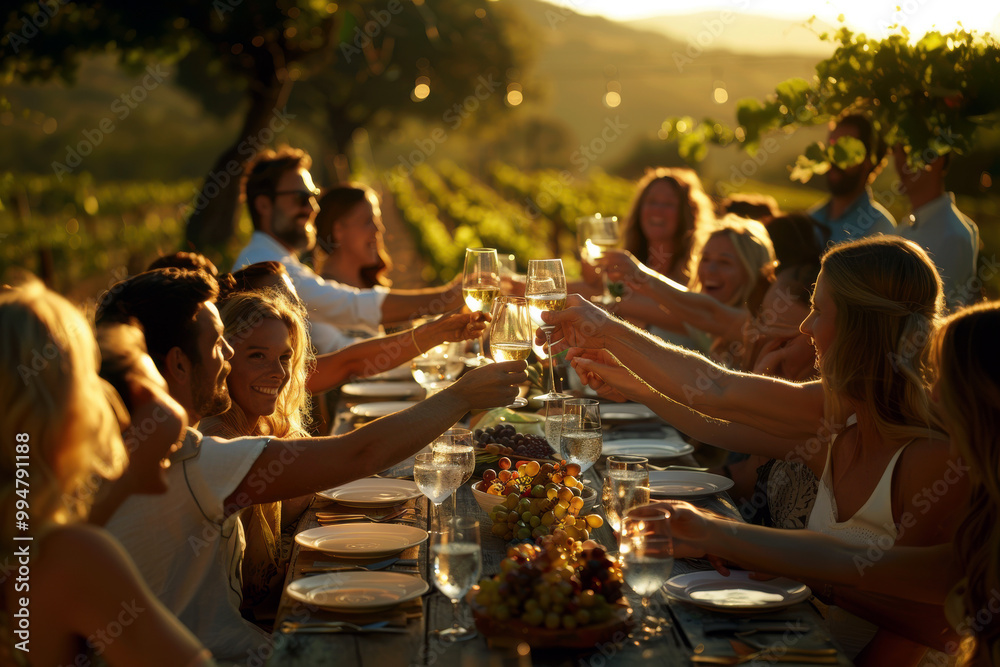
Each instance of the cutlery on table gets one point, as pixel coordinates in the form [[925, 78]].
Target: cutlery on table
[[348, 567], [677, 467], [747, 646], [331, 517], [338, 627]]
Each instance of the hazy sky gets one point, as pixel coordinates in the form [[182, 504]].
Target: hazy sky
[[869, 16]]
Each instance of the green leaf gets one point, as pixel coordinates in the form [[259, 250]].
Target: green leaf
[[847, 152]]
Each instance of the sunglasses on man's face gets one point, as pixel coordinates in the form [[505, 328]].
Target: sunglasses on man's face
[[303, 197]]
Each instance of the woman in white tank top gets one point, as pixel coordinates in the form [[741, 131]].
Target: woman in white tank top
[[875, 303]]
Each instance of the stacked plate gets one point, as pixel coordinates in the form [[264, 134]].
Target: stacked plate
[[370, 391], [372, 492], [686, 484]]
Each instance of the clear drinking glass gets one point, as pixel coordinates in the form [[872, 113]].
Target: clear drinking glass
[[626, 485], [555, 421], [582, 437], [458, 564], [438, 367], [646, 557], [437, 476], [455, 446], [595, 234], [545, 289], [511, 333], [480, 286]]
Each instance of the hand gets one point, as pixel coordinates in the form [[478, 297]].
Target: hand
[[603, 373], [788, 358], [490, 386], [453, 328], [691, 532], [581, 324], [622, 265]]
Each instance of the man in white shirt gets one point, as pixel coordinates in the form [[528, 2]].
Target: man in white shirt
[[851, 212], [936, 225], [281, 197], [188, 543]]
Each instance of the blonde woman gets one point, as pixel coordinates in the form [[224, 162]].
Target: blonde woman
[[865, 429], [59, 430], [271, 368], [964, 577], [735, 265]]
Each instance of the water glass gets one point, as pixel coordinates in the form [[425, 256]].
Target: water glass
[[458, 564], [626, 486], [646, 557], [582, 438]]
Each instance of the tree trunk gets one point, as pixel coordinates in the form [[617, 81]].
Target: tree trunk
[[216, 209]]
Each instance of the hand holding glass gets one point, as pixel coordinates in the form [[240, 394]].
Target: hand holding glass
[[511, 333], [480, 284], [545, 289]]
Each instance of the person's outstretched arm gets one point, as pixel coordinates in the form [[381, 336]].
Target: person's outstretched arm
[[308, 465], [375, 355], [404, 305]]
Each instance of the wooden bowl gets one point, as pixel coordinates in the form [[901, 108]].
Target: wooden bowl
[[614, 630]]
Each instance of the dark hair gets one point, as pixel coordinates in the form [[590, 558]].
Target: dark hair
[[875, 147], [261, 175], [249, 278], [185, 260], [694, 212], [165, 302], [797, 239], [753, 205], [334, 205]]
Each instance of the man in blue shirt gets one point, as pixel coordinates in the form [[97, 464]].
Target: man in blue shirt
[[851, 212]]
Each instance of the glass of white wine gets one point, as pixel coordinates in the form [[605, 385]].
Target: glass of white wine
[[437, 475], [455, 446], [458, 564], [582, 439], [626, 486], [595, 234], [438, 367], [646, 557], [511, 333], [480, 286], [545, 289]]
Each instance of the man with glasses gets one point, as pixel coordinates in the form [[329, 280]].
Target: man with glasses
[[282, 200]]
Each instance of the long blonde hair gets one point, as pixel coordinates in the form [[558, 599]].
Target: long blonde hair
[[968, 372], [888, 298], [58, 423], [241, 313]]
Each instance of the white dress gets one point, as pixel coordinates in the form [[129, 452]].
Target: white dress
[[872, 525]]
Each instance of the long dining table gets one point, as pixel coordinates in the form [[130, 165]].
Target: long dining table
[[406, 633]]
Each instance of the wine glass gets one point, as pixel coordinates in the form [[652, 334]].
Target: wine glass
[[582, 438], [455, 445], [555, 421], [480, 285], [458, 564], [594, 235], [511, 333], [646, 557], [437, 475], [438, 367], [626, 485], [545, 289]]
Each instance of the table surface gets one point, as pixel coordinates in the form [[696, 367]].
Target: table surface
[[418, 647]]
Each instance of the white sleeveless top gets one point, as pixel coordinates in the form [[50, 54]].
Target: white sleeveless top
[[871, 525]]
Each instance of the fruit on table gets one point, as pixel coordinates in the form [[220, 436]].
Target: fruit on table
[[505, 440], [560, 583]]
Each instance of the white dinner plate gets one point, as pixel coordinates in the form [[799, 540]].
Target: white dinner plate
[[357, 591], [379, 408], [382, 389], [652, 448], [372, 492], [686, 483], [737, 592], [625, 412], [362, 540]]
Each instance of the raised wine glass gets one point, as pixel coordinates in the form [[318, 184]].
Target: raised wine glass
[[455, 445], [480, 285], [595, 234], [646, 557], [626, 486], [458, 564], [545, 289], [511, 333], [582, 439]]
